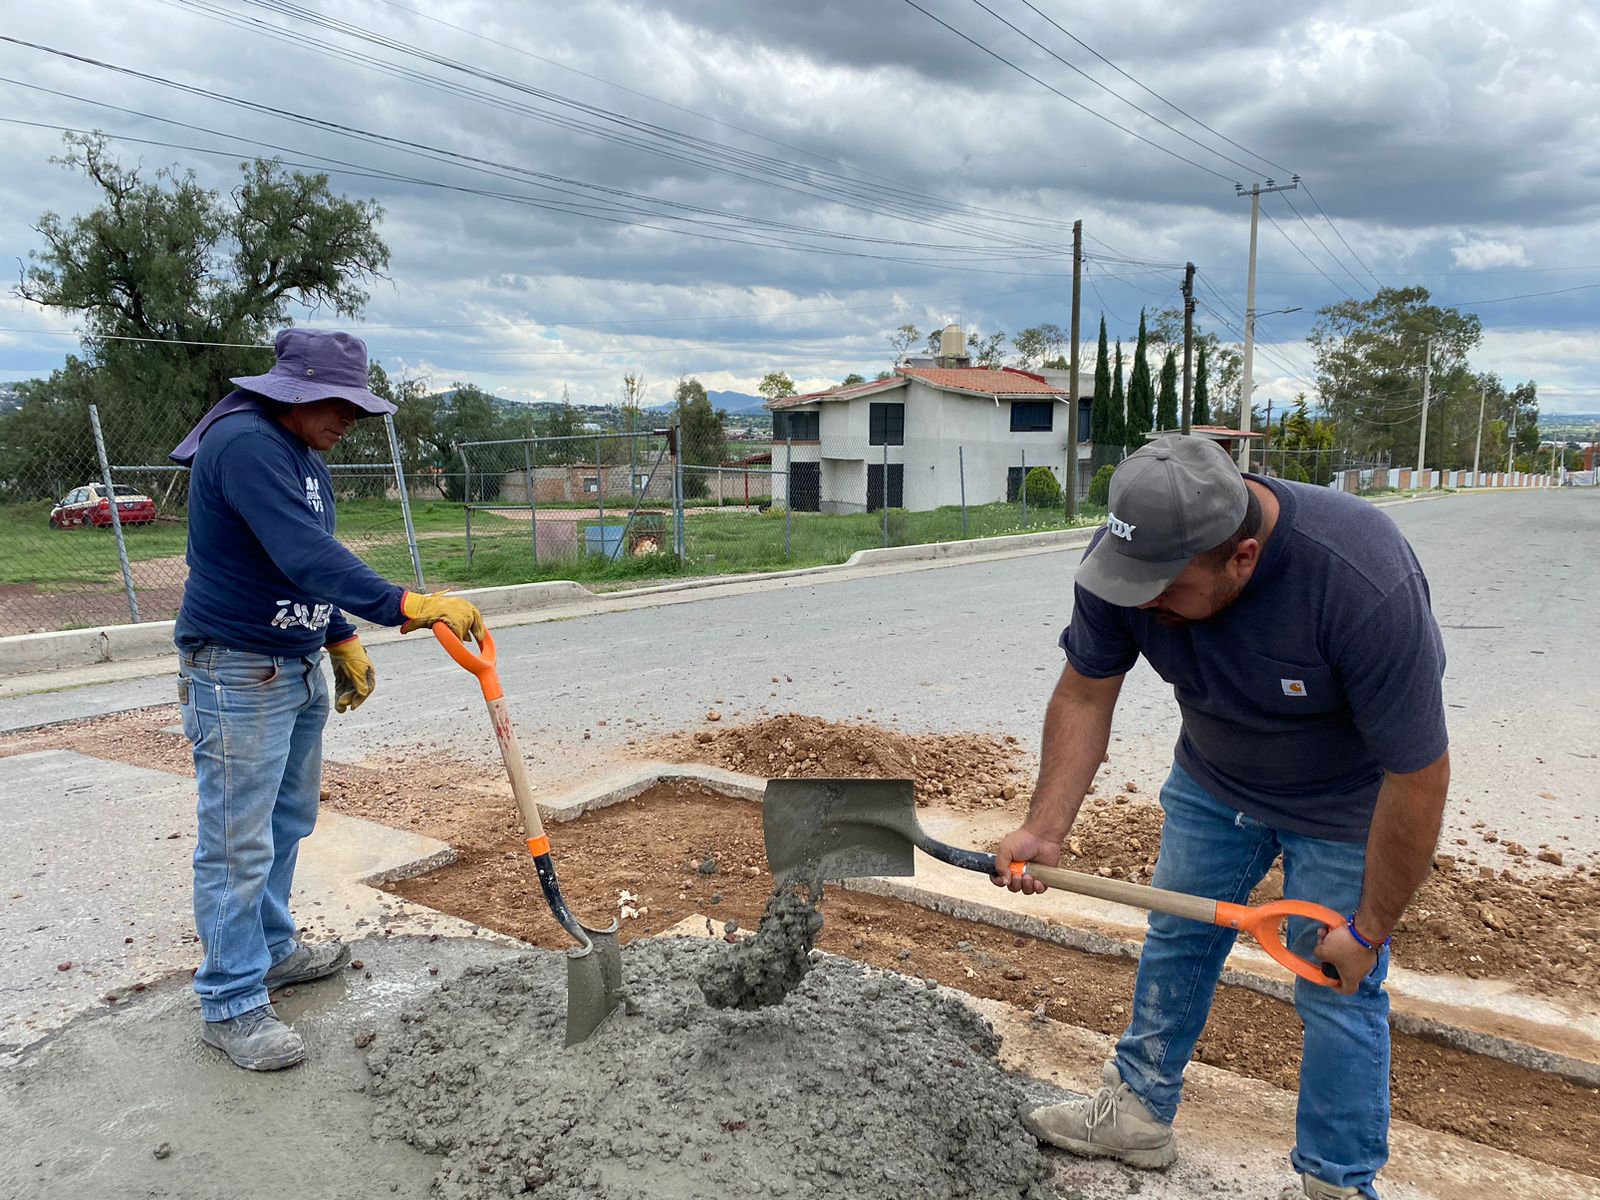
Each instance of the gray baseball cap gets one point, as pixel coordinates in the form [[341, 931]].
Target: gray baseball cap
[[1170, 500]]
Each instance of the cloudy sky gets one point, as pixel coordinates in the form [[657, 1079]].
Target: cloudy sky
[[577, 190]]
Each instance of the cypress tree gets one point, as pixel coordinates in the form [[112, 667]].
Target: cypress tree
[[1202, 403], [1167, 397], [1141, 396], [1100, 406], [1115, 423]]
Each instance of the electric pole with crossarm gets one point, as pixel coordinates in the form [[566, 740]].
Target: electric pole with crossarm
[[1247, 372]]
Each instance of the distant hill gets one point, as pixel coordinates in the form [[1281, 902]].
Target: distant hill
[[733, 403], [1572, 427]]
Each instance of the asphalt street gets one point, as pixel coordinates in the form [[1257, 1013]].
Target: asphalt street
[[973, 647]]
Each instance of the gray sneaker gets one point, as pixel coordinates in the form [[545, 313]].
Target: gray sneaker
[[1113, 1123], [1318, 1189], [308, 962], [256, 1040]]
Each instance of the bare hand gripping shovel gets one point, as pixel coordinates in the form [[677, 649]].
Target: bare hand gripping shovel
[[846, 828], [594, 968]]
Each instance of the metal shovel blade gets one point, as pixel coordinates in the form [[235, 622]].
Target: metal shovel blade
[[839, 828], [594, 983]]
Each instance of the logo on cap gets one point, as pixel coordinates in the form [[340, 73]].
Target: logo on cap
[[1120, 528]]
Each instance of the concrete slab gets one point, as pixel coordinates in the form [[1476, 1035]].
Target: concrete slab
[[97, 864], [85, 1113]]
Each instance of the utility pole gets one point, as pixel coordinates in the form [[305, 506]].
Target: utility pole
[[1188, 346], [1427, 380], [1483, 396], [1071, 472], [1247, 374]]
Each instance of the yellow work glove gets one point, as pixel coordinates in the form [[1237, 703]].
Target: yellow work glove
[[354, 678], [461, 615]]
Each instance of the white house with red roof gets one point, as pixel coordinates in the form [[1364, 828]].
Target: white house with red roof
[[931, 431]]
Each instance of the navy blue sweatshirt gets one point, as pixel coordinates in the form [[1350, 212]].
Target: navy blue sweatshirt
[[266, 573]]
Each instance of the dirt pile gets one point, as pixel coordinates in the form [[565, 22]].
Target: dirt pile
[[678, 1101], [963, 770]]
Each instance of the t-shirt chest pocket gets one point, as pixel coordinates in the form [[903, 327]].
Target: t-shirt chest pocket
[[1289, 689]]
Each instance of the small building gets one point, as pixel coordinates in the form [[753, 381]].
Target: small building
[[937, 429]]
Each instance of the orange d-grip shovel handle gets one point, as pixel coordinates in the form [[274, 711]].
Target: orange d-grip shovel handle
[[1260, 921], [481, 664]]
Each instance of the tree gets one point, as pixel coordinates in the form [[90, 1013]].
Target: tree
[[1200, 414], [1037, 343], [1370, 356], [852, 379], [1100, 406], [192, 274], [1100, 486], [774, 386], [368, 441], [703, 435], [1116, 415], [902, 339], [45, 448], [1222, 361], [466, 413], [1167, 397], [1042, 488], [1141, 396], [985, 351], [882, 375]]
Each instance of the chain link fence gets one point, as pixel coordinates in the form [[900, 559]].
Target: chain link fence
[[94, 521]]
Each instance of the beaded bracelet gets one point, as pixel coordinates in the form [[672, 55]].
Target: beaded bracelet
[[1356, 933]]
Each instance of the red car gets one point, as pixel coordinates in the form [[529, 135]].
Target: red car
[[89, 505]]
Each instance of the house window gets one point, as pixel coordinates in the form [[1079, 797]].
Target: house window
[[799, 426], [805, 487], [1032, 416], [897, 480], [591, 484], [886, 425]]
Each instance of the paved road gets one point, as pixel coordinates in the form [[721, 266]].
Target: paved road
[[974, 647]]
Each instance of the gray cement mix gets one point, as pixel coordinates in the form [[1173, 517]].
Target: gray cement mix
[[762, 970], [859, 1084]]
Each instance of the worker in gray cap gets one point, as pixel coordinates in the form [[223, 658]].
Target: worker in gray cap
[[1293, 623], [269, 595]]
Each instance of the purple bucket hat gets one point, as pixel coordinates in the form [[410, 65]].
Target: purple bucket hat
[[314, 364]]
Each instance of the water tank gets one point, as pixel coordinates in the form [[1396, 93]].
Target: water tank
[[951, 344]]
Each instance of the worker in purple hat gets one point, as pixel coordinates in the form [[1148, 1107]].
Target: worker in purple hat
[[1294, 625], [268, 593]]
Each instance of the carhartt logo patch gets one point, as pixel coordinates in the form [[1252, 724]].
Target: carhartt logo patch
[[1119, 528], [1293, 687]]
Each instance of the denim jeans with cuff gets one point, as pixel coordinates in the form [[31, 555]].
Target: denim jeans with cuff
[[256, 724], [1211, 850]]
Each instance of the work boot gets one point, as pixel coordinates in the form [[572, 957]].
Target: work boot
[[1113, 1123], [1318, 1189], [256, 1040], [308, 963]]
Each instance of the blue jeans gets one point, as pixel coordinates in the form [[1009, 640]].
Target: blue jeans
[[1209, 849], [256, 724]]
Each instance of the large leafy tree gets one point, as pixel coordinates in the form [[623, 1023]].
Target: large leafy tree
[[1141, 395], [1167, 395], [1038, 344], [775, 385], [174, 282], [1370, 357], [703, 433]]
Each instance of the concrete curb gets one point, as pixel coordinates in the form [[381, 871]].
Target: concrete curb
[[32, 653]]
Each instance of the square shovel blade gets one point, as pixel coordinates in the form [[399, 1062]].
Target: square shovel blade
[[819, 829]]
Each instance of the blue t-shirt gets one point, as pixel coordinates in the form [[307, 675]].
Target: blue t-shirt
[[266, 573], [1324, 673]]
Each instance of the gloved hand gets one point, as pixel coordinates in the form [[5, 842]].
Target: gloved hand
[[462, 616], [354, 678]]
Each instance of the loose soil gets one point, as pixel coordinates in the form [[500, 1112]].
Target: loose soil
[[955, 770], [678, 850]]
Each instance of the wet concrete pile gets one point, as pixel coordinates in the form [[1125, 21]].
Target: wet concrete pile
[[859, 1084], [764, 969]]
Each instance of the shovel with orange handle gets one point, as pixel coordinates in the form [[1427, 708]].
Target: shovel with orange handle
[[847, 828], [594, 967]]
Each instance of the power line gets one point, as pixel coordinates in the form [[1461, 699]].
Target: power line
[[1285, 198], [1157, 95], [1306, 256], [1075, 103], [1307, 189]]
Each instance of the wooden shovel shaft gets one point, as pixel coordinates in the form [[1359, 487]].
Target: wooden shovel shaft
[[1120, 891]]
